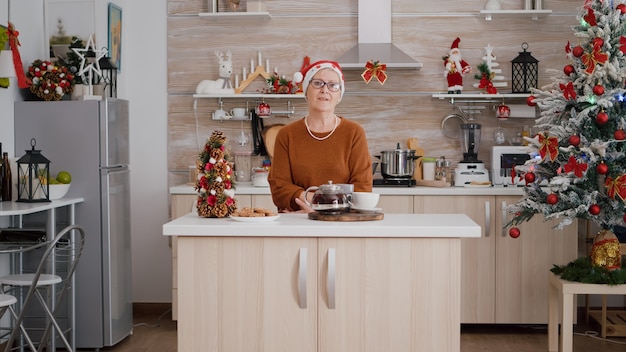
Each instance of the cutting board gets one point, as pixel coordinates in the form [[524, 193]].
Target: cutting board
[[269, 137], [417, 170], [352, 216]]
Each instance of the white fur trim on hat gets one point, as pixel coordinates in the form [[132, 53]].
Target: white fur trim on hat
[[315, 67]]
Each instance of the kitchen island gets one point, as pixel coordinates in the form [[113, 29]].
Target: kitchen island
[[296, 284]]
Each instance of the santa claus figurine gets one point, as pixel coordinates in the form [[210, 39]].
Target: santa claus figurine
[[456, 68]]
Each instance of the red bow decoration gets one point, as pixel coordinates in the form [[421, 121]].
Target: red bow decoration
[[14, 43], [591, 59], [485, 82], [575, 166], [590, 17], [374, 69], [616, 187], [549, 147], [568, 90]]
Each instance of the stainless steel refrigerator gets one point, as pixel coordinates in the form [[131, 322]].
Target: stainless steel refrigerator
[[89, 139]]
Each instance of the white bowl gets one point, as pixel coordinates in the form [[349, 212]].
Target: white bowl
[[58, 191]]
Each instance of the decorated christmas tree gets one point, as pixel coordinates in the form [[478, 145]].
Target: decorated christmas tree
[[581, 172], [215, 183]]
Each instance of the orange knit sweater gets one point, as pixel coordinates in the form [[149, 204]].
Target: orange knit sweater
[[300, 161]]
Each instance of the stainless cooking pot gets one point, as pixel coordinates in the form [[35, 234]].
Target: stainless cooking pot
[[397, 162]]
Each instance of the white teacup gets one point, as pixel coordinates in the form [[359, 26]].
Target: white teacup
[[364, 200], [221, 114], [238, 113]]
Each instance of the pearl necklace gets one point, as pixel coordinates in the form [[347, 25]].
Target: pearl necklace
[[325, 137]]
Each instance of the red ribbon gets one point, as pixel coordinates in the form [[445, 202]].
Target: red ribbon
[[14, 43], [575, 166], [568, 90], [590, 17], [549, 147], [616, 187], [591, 59], [374, 69], [486, 83]]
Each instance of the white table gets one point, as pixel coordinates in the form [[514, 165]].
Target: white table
[[561, 297]]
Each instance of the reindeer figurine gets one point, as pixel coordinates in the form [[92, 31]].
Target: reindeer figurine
[[226, 67], [222, 84]]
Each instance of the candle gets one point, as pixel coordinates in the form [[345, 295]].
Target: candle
[[259, 62], [243, 76], [276, 69], [236, 81], [267, 65], [214, 6], [251, 66]]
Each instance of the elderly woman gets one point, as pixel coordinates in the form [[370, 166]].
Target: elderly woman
[[320, 147]]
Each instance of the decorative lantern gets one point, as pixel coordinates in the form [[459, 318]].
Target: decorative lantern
[[525, 71], [33, 175], [109, 77]]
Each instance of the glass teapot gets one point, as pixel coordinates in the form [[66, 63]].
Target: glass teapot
[[329, 198]]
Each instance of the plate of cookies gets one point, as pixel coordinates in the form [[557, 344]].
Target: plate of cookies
[[253, 214]]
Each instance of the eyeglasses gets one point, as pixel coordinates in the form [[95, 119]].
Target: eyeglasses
[[318, 84]]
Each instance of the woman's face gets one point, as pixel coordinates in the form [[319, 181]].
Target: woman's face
[[322, 99]]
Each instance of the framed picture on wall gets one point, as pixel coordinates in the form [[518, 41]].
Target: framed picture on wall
[[115, 35], [66, 19]]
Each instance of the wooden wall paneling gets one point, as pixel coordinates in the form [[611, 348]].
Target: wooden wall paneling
[[401, 108]]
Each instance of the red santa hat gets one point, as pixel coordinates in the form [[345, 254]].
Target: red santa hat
[[306, 74], [455, 44]]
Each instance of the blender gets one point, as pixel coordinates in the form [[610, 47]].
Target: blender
[[470, 171]]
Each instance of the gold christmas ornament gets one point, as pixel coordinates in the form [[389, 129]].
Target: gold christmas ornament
[[606, 251]]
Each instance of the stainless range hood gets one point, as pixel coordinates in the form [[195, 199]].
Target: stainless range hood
[[374, 39]]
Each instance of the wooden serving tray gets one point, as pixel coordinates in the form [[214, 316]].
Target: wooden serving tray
[[351, 216]]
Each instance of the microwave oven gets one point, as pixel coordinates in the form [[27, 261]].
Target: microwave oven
[[504, 159]]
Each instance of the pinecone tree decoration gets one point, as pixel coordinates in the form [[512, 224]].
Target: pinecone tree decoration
[[215, 183]]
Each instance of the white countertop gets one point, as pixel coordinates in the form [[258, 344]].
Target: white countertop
[[248, 188], [299, 225], [21, 208]]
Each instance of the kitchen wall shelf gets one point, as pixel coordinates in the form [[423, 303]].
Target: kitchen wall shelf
[[251, 100], [533, 14], [248, 96], [230, 15], [480, 96]]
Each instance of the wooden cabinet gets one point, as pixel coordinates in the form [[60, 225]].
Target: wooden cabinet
[[477, 254], [504, 279], [318, 294]]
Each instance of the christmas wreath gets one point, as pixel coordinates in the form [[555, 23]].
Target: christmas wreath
[[49, 81], [215, 184]]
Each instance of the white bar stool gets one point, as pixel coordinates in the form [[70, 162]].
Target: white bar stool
[[49, 287]]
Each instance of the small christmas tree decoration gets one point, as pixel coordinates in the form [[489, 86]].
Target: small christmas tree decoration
[[215, 183], [606, 251], [489, 76]]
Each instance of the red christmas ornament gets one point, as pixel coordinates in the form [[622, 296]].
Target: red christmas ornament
[[578, 51], [568, 69], [552, 198], [514, 232], [598, 90], [594, 209], [530, 101], [620, 135], [529, 177], [598, 42], [624, 218], [602, 168], [602, 118], [621, 8], [574, 140]]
